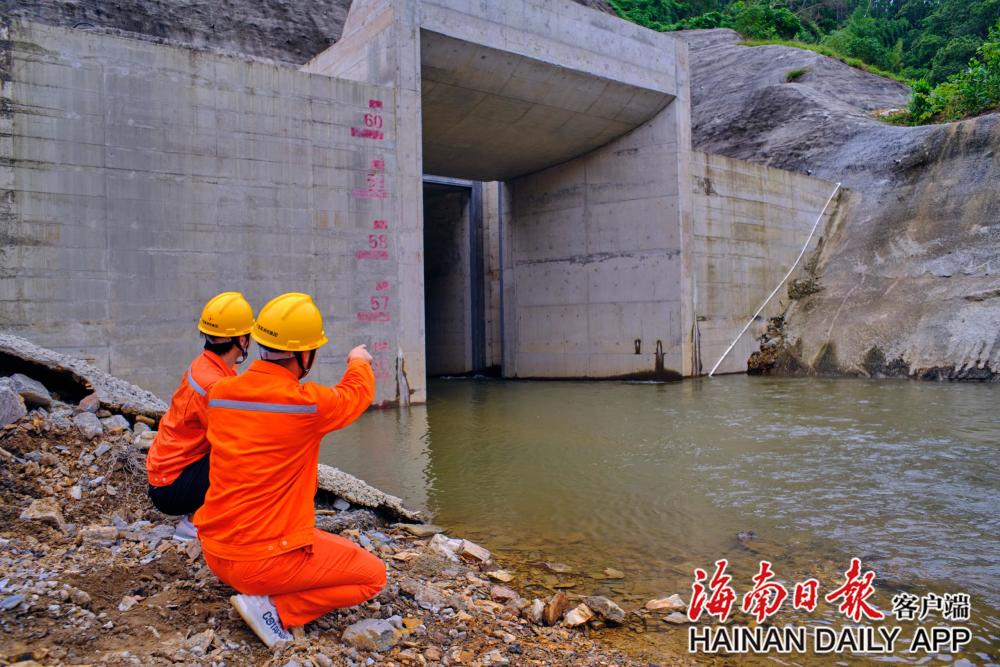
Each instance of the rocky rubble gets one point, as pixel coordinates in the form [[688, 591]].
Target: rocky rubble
[[71, 378], [90, 572]]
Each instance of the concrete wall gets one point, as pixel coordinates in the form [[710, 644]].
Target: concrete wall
[[593, 262], [750, 223], [447, 281], [508, 88], [141, 179], [380, 45], [496, 200]]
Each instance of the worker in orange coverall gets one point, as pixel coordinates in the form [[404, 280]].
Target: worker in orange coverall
[[257, 526], [177, 463]]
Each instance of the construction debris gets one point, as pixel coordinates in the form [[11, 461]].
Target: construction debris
[[358, 492], [72, 378]]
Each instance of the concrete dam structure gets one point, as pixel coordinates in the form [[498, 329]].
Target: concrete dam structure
[[461, 185]]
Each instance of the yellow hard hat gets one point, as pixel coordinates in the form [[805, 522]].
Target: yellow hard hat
[[226, 314], [290, 322]]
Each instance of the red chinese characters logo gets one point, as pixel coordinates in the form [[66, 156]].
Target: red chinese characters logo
[[720, 603], [766, 597], [806, 595], [856, 590]]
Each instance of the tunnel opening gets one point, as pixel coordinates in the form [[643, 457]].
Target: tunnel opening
[[454, 313]]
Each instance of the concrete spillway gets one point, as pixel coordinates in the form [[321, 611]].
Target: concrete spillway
[[588, 136], [142, 178], [492, 115]]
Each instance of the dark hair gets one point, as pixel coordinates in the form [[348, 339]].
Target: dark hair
[[220, 348]]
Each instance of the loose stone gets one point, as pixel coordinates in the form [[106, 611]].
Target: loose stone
[[32, 391], [419, 529], [12, 405], [578, 615], [89, 425], [605, 609], [672, 603], [555, 608], [115, 424], [371, 634], [46, 510]]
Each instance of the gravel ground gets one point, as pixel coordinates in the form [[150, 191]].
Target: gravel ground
[[90, 573]]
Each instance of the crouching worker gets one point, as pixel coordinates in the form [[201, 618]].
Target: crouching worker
[[257, 526], [177, 463]]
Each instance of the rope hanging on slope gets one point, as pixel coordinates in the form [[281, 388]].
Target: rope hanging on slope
[[802, 252]]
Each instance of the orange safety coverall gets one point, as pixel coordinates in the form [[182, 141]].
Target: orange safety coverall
[[181, 440], [257, 526]]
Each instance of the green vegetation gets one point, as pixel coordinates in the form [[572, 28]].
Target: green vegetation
[[970, 92], [795, 74], [828, 52], [947, 50]]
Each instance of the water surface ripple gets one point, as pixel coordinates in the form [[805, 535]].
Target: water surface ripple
[[656, 479]]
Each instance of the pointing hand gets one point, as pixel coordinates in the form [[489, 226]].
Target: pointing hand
[[360, 352]]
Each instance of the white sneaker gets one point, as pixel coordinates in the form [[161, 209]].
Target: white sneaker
[[185, 531], [262, 617]]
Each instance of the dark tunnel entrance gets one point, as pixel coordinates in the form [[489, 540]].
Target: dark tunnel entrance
[[455, 321]]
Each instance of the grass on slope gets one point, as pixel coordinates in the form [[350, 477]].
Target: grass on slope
[[966, 94], [830, 53]]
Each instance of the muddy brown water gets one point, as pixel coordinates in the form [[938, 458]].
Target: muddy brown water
[[657, 479]]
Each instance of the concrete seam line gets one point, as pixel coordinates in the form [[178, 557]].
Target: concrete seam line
[[777, 287]]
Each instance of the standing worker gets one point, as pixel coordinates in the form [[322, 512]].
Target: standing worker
[[257, 526], [177, 463]]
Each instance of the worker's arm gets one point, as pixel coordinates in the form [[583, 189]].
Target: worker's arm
[[342, 404]]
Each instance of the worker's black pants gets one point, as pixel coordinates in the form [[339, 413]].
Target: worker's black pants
[[186, 493]]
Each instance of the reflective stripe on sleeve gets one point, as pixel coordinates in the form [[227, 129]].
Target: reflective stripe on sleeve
[[261, 407], [194, 385]]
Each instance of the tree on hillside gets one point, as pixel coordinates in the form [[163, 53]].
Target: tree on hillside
[[931, 39]]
